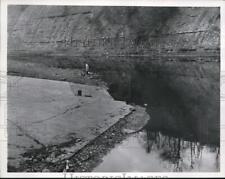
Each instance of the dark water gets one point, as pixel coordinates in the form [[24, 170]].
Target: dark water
[[183, 97], [183, 103]]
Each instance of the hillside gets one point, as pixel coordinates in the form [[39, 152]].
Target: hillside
[[112, 30]]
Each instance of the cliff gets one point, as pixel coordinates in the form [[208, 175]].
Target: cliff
[[112, 30]]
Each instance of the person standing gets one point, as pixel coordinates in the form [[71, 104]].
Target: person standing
[[86, 68]]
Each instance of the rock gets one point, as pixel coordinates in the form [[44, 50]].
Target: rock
[[45, 170], [128, 131]]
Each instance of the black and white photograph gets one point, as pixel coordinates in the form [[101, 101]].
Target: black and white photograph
[[113, 88]]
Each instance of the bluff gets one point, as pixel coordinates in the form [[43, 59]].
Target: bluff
[[112, 30]]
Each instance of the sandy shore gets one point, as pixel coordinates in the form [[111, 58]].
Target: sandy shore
[[48, 123], [90, 156], [45, 113]]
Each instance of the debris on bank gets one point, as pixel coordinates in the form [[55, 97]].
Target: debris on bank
[[56, 122], [88, 157]]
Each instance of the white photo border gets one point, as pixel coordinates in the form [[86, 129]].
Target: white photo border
[[3, 85]]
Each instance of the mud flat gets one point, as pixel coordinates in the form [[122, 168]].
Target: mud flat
[[48, 121]]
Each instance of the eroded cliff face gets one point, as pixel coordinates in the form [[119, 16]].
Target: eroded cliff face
[[112, 30]]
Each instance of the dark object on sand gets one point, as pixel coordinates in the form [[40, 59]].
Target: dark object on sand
[[79, 92]]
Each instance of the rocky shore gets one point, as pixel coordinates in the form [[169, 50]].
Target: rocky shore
[[77, 148], [90, 156]]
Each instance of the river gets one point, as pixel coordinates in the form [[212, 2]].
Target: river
[[182, 97]]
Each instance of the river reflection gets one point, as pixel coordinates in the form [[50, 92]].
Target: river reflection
[[182, 97], [150, 151]]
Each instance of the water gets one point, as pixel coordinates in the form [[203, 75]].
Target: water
[[155, 152], [183, 103]]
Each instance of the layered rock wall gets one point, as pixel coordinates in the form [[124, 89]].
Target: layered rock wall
[[112, 30]]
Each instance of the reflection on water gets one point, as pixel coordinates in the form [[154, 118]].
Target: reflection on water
[[183, 102], [182, 97], [154, 152]]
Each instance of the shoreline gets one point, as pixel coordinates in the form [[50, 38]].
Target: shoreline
[[53, 158], [89, 156]]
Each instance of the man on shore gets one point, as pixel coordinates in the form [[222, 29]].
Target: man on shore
[[86, 68]]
